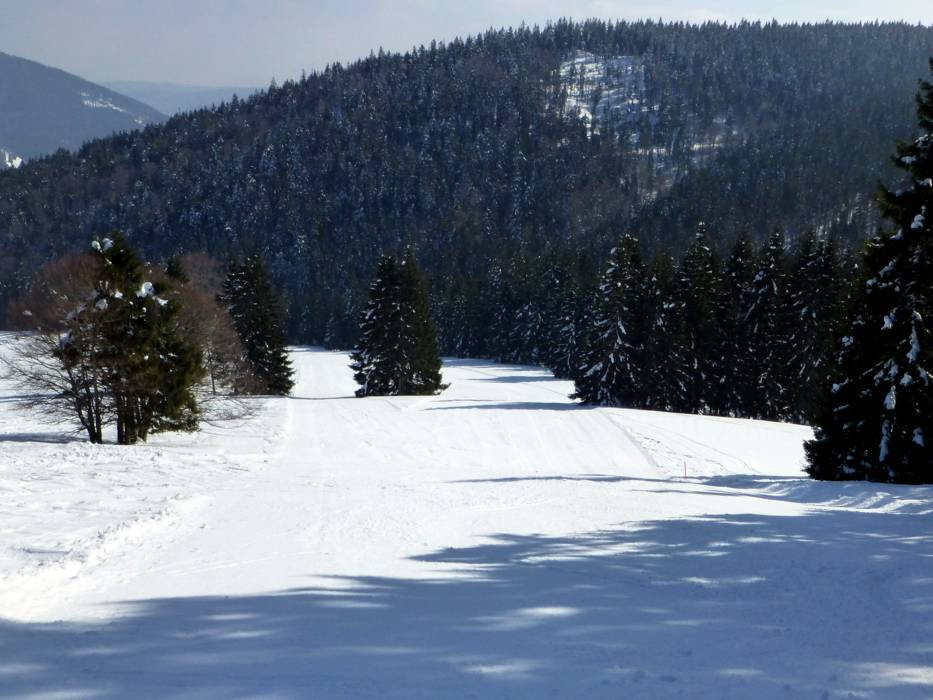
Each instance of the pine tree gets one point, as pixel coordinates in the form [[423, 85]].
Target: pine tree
[[149, 371], [612, 373], [568, 334], [555, 292], [257, 317], [815, 309], [665, 380], [398, 351], [502, 325], [424, 361], [736, 387], [698, 290], [379, 365], [877, 421], [767, 323]]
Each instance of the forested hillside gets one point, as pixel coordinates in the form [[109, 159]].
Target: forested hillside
[[511, 161]]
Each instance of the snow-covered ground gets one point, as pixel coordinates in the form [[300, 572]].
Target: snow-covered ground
[[494, 541]]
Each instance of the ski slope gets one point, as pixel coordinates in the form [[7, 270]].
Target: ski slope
[[495, 541]]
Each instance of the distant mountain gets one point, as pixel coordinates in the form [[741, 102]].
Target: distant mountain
[[173, 98], [43, 109]]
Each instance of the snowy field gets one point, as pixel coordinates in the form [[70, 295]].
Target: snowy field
[[495, 541]]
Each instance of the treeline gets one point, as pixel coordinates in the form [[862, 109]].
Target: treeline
[[471, 151], [112, 341], [747, 336]]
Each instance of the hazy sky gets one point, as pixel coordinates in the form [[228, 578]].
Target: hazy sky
[[244, 43]]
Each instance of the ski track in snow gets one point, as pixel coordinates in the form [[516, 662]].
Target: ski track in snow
[[493, 541]]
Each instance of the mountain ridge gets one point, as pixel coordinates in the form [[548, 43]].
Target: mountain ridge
[[46, 108]]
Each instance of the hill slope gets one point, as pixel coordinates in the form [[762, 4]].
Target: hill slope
[[43, 109], [492, 541], [495, 155]]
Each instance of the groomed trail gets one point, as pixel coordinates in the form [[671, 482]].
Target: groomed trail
[[495, 541]]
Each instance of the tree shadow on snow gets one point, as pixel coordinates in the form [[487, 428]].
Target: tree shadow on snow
[[734, 606], [514, 406], [893, 498], [50, 438], [531, 376]]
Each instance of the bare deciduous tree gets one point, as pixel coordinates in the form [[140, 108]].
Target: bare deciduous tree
[[64, 381]]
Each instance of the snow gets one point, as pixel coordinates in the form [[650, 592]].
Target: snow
[[493, 541], [890, 400], [914, 351], [99, 102], [9, 160], [604, 89]]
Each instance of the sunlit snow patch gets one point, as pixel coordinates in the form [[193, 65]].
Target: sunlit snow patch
[[604, 90], [8, 160]]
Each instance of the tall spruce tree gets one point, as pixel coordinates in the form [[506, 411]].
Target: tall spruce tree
[[379, 363], [665, 380], [877, 422], [698, 289], [257, 316], [554, 290], [767, 323], [614, 363], [398, 351], [815, 300], [569, 334], [420, 340], [737, 386]]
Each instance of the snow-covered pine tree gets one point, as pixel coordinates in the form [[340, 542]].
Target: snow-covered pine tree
[[736, 385], [568, 332], [420, 340], [527, 345], [522, 330], [379, 364], [767, 321], [554, 289], [698, 286], [150, 371], [877, 422], [257, 317], [665, 381], [613, 371], [815, 307], [398, 351]]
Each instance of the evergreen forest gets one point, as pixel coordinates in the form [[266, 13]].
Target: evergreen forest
[[512, 161]]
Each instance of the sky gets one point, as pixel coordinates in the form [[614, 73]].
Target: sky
[[248, 42]]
